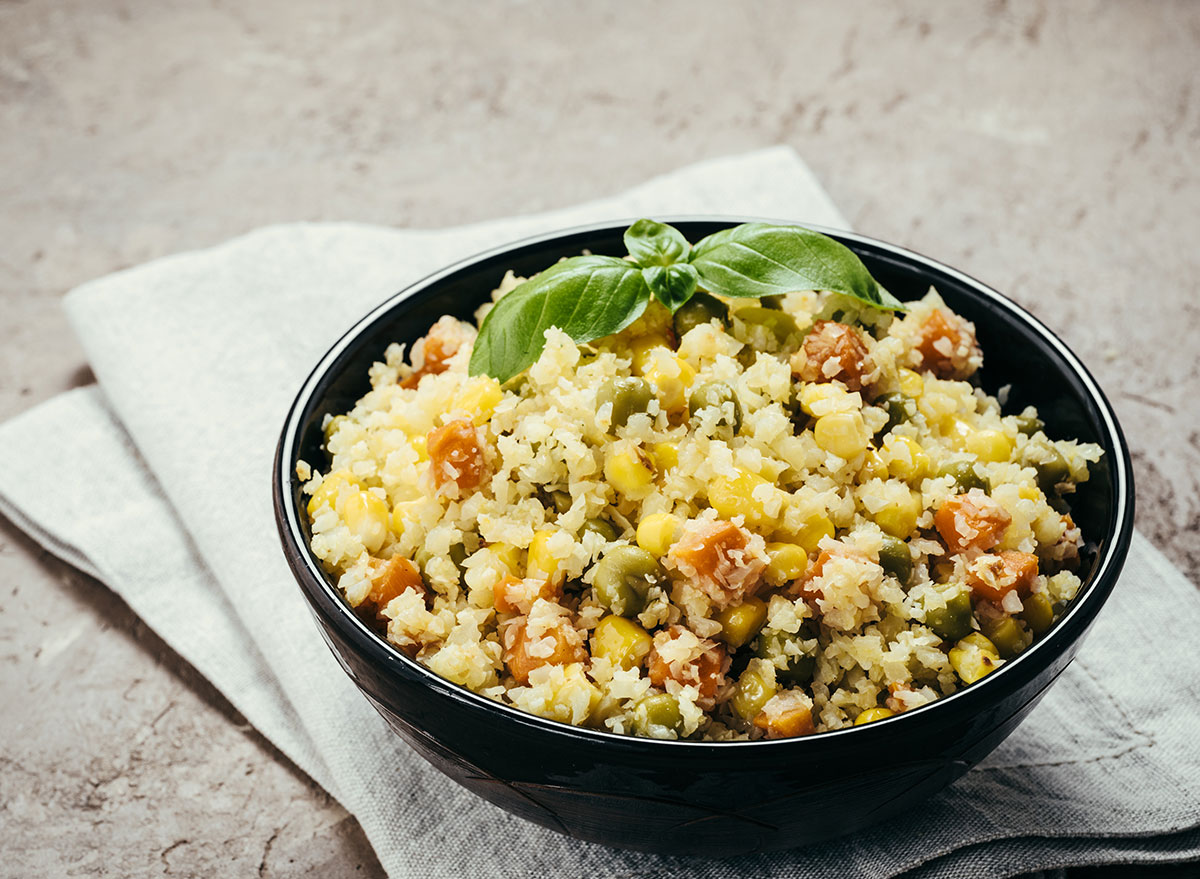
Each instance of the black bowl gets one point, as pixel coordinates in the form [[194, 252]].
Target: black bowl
[[715, 798]]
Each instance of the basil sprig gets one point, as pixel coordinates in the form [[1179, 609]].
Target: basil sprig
[[589, 297]]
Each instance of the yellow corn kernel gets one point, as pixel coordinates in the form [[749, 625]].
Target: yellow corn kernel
[[754, 690], [899, 519], [480, 397], [621, 641], [739, 624], [539, 562], [842, 433], [327, 492], [629, 472], [656, 533], [990, 445], [664, 455], [418, 445], [366, 515], [815, 528], [508, 555], [973, 657], [873, 467], [957, 432], [334, 425], [671, 376], [788, 561], [737, 497], [905, 458], [1030, 493], [574, 699], [911, 383], [403, 513], [641, 347], [824, 398], [873, 714]]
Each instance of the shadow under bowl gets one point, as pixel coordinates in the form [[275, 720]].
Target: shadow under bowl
[[710, 798]]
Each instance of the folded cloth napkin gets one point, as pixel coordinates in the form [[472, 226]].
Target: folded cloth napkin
[[198, 357]]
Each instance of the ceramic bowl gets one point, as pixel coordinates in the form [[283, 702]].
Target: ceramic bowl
[[702, 797]]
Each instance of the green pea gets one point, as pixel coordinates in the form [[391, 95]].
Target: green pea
[[623, 577], [1038, 613], [1049, 463], [751, 694], [790, 667], [603, 527], [658, 716], [717, 394], [1028, 424], [627, 396], [899, 407], [1007, 635], [953, 621], [700, 309], [781, 324], [560, 500], [895, 558], [774, 301], [965, 476]]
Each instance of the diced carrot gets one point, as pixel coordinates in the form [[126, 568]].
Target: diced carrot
[[523, 653], [946, 345], [831, 351], [971, 521], [786, 716], [993, 576], [440, 344], [513, 595], [456, 455], [715, 556], [391, 578], [704, 667]]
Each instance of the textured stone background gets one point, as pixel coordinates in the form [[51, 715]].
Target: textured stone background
[[1050, 149]]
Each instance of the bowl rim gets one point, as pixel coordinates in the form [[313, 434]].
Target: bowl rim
[[325, 600]]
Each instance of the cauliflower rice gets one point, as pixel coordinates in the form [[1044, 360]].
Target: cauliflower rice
[[812, 519]]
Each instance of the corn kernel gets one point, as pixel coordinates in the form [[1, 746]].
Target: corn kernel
[[899, 519], [418, 444], [824, 398], [973, 657], [539, 562], [480, 397], [656, 533], [629, 472], [905, 458], [641, 347], [508, 556], [670, 376], [739, 624], [664, 455], [911, 383], [621, 641], [734, 497], [842, 433], [815, 527], [334, 425], [873, 467], [366, 515], [328, 491], [873, 714], [402, 513], [990, 445], [958, 433], [1030, 493], [788, 561], [574, 699]]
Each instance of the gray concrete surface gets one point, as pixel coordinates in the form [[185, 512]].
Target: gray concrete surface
[[1051, 149]]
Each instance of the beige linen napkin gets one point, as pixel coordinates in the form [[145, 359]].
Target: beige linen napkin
[[198, 357]]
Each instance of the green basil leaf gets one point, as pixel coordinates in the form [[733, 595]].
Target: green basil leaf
[[760, 259], [655, 244], [673, 284], [587, 297]]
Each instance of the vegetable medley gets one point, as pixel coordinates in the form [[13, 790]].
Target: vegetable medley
[[740, 508]]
